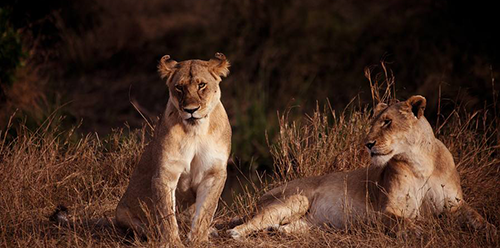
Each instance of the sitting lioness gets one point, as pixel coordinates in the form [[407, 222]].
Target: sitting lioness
[[411, 173], [186, 160]]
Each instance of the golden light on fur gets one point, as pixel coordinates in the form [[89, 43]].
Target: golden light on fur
[[412, 175], [185, 163], [166, 66]]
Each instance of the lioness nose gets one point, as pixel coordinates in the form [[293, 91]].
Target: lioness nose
[[191, 110], [370, 144]]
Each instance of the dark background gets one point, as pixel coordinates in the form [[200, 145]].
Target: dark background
[[88, 60]]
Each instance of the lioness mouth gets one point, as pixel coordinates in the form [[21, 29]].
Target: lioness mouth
[[373, 154], [192, 120]]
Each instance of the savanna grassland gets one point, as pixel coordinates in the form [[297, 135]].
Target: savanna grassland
[[48, 166]]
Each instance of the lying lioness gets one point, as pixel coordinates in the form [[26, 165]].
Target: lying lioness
[[411, 173]]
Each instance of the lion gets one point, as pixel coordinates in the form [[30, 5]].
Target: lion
[[185, 163], [411, 174]]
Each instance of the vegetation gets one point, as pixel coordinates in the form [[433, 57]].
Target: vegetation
[[49, 166], [11, 52]]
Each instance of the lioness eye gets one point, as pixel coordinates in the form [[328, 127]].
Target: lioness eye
[[387, 122], [201, 85], [178, 88]]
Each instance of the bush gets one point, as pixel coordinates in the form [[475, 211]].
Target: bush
[[11, 51]]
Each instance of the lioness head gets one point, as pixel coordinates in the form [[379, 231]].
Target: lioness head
[[398, 129], [194, 85]]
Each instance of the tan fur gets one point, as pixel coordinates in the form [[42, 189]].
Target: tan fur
[[412, 174], [185, 163]]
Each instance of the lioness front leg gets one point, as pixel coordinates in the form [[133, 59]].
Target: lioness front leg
[[163, 185], [207, 197], [273, 215]]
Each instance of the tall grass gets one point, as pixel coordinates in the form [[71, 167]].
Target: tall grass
[[49, 166]]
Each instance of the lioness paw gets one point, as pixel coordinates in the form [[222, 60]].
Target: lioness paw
[[213, 232], [234, 234]]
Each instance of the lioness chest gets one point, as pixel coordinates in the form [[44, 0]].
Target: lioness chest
[[202, 154]]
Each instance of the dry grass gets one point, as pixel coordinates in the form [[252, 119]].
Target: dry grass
[[48, 166]]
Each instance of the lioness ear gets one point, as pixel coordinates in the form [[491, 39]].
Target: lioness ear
[[166, 66], [219, 65], [417, 104], [379, 108]]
